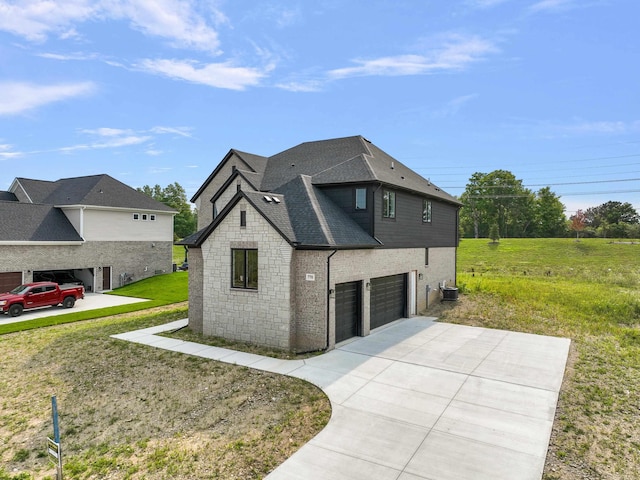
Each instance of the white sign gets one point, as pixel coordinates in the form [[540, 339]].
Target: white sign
[[311, 277]]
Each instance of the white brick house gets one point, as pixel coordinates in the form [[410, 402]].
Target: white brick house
[[317, 244]]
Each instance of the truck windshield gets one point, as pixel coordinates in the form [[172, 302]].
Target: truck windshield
[[20, 289]]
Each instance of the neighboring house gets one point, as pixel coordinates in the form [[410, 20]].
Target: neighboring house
[[99, 229], [317, 244]]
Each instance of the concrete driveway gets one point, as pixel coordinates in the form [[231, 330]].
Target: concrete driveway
[[419, 400], [91, 301]]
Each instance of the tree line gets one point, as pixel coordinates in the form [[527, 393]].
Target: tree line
[[497, 204], [174, 196]]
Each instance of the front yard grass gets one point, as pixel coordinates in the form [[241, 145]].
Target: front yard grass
[[129, 411]]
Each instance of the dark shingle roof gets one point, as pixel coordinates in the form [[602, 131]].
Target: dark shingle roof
[[33, 222], [96, 190], [343, 160], [304, 215], [8, 196]]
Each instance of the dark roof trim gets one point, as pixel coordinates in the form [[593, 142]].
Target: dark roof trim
[[225, 185], [335, 247], [223, 214], [220, 166], [393, 186]]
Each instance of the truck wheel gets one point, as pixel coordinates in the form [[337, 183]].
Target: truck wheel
[[68, 302], [15, 310]]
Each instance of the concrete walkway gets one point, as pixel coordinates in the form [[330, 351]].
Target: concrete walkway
[[419, 400]]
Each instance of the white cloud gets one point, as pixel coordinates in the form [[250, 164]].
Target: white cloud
[[36, 19], [7, 151], [176, 20], [114, 142], [486, 3], [302, 86], [16, 97], [453, 107], [551, 5], [455, 53], [601, 128], [219, 75], [68, 56], [181, 131], [108, 132]]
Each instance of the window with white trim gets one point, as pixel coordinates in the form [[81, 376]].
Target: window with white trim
[[388, 204], [426, 211]]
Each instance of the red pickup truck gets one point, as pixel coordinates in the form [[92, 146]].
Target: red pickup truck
[[39, 294]]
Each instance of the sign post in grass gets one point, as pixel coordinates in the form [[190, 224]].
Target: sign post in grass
[[53, 445]]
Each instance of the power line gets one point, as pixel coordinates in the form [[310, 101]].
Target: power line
[[554, 162], [557, 184]]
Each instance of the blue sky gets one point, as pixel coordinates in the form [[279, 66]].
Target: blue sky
[[153, 92]]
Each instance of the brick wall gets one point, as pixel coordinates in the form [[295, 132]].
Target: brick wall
[[310, 290], [196, 272], [263, 316], [136, 259]]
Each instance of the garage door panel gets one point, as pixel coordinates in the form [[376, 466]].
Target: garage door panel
[[388, 299], [348, 315], [10, 280]]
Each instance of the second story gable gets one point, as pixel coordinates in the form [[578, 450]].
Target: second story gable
[[394, 205]]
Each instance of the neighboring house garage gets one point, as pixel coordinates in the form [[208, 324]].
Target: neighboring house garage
[[10, 280], [95, 230]]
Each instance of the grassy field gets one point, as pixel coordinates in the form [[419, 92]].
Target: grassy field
[[128, 411], [125, 415], [588, 291]]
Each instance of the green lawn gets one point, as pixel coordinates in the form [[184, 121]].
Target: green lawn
[[588, 291], [161, 290]]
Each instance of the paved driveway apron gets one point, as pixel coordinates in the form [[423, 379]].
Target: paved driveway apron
[[420, 400]]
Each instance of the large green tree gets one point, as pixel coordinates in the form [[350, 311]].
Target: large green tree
[[497, 198], [611, 219], [550, 220], [174, 196]]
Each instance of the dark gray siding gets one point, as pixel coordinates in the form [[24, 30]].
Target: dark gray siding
[[408, 230], [344, 197]]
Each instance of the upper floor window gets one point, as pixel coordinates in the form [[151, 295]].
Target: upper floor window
[[136, 216], [361, 198], [243, 218], [388, 204], [244, 268], [426, 211], [152, 217], [144, 216]]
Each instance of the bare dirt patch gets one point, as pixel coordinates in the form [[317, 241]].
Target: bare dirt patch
[[130, 411]]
